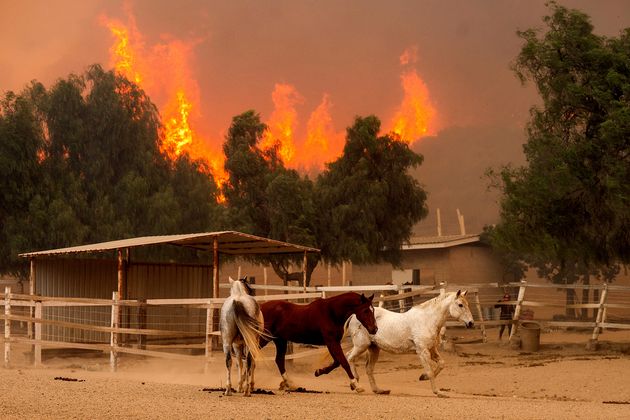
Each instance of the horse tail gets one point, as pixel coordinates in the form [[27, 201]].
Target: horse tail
[[249, 327], [345, 328]]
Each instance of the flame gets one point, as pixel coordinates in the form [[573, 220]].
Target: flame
[[177, 132], [322, 144], [163, 72], [416, 115], [283, 120]]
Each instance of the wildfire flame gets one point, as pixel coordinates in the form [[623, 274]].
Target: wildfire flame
[[163, 72], [283, 120], [416, 115]]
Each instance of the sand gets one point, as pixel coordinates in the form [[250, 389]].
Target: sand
[[484, 380]]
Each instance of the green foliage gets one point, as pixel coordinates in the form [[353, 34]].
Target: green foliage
[[570, 206], [367, 201], [81, 163], [361, 208]]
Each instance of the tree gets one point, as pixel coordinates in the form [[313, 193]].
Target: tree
[[568, 210], [81, 162], [367, 202], [360, 209]]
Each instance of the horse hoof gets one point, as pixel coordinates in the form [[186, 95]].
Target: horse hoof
[[359, 390], [441, 395], [382, 391], [227, 393], [317, 373], [423, 377]]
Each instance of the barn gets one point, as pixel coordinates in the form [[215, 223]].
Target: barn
[[97, 270]]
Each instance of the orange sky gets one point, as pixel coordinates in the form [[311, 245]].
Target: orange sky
[[340, 59]]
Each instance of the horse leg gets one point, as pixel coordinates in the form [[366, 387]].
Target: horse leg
[[281, 351], [425, 359], [360, 343], [373, 353], [228, 366], [238, 356], [249, 374], [335, 350], [439, 363]]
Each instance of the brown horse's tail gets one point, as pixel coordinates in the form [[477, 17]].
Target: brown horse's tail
[[250, 328]]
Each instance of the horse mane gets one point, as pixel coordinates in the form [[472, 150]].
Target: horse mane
[[248, 287], [434, 301]]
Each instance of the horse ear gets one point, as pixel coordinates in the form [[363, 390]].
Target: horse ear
[[459, 292], [464, 292], [230, 279], [371, 298]]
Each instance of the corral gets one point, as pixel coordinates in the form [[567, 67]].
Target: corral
[[579, 371]]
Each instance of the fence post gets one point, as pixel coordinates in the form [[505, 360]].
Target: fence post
[[7, 326], [598, 319], [208, 351], [142, 323], [517, 309], [401, 302], [37, 350], [484, 338], [113, 338]]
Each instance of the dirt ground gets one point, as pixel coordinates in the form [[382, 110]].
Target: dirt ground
[[484, 380]]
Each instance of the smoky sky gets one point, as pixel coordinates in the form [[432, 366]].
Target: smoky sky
[[347, 49]]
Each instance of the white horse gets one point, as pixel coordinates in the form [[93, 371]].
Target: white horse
[[241, 326], [415, 330]]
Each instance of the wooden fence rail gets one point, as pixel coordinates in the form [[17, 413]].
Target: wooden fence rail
[[404, 296]]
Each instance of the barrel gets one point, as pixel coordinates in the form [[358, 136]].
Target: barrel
[[530, 336]]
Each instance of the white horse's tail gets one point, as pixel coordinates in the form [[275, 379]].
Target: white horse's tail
[[250, 329]]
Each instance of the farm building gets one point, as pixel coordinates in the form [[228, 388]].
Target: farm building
[[86, 272]]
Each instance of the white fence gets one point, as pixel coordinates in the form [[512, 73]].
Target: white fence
[[135, 326]]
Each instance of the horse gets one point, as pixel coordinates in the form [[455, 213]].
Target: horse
[[417, 330], [241, 325], [320, 322]]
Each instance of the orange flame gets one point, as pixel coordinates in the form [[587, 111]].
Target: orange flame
[[163, 72], [323, 144], [283, 120], [416, 115], [177, 132]]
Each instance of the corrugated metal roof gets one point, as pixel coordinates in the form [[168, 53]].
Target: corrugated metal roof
[[432, 242], [230, 242]]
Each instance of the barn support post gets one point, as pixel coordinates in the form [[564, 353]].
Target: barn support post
[[343, 273], [37, 350], [215, 292], [517, 309], [7, 326], [599, 319], [208, 344], [122, 257], [484, 337], [113, 337], [31, 291]]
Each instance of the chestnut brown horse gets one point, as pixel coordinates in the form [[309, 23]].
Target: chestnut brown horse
[[321, 322]]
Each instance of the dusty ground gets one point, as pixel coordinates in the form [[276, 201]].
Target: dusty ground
[[491, 380]]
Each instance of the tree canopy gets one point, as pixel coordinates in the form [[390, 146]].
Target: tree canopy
[[570, 205], [361, 208], [80, 163]]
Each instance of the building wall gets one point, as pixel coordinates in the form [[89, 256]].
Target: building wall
[[95, 278]]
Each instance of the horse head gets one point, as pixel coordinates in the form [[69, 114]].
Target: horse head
[[240, 287], [459, 309], [365, 313]]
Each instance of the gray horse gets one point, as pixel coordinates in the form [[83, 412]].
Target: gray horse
[[241, 326]]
